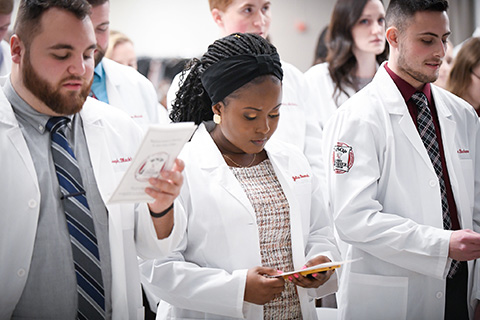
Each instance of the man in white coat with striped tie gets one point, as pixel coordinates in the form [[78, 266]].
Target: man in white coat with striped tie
[[64, 252], [403, 177]]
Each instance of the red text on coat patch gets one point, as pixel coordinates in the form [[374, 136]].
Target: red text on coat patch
[[342, 158]]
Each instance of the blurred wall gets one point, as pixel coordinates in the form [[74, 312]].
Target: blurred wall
[[184, 28]]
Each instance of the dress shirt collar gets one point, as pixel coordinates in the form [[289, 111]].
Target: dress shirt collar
[[99, 71], [406, 89], [23, 110]]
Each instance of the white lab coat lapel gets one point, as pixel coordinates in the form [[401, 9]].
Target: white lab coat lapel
[[106, 179], [113, 84], [448, 128], [216, 168], [395, 104], [15, 135], [18, 142], [282, 168]]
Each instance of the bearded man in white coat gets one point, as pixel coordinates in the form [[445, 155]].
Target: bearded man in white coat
[[402, 160], [66, 253]]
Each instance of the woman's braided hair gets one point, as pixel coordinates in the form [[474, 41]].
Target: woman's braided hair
[[192, 102]]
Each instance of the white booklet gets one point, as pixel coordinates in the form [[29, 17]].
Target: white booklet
[[158, 151]]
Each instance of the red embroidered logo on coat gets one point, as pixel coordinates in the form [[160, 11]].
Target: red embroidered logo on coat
[[302, 176], [122, 160], [463, 151], [343, 158]]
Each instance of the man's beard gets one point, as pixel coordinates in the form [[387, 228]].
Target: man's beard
[[60, 103], [406, 67], [99, 54]]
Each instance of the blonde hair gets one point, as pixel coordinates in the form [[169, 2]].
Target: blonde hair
[[221, 5], [466, 60], [116, 38]]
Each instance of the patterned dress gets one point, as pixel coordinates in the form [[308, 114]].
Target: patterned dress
[[265, 193]]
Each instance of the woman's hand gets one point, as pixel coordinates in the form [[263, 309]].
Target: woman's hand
[[314, 280], [260, 289]]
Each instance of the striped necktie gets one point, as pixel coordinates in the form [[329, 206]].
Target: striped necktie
[[86, 258], [428, 134]]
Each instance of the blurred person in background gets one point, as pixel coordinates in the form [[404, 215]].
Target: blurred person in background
[[118, 85], [321, 50], [356, 48], [445, 67], [121, 49], [6, 8], [464, 79]]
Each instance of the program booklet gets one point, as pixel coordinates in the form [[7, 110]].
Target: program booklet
[[315, 269], [158, 151]]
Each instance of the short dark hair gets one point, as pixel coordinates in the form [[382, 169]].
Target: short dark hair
[[399, 12], [27, 24], [6, 6], [95, 3]]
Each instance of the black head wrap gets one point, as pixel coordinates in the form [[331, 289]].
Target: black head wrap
[[229, 74]]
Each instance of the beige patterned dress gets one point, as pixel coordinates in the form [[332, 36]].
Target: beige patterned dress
[[265, 193]]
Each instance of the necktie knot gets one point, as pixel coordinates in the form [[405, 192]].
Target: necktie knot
[[420, 100], [56, 123]]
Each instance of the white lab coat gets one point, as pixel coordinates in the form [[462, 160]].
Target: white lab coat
[[207, 272], [6, 65], [111, 135], [322, 87], [130, 91], [298, 123], [388, 205]]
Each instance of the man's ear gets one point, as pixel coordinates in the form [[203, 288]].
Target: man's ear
[[217, 16], [17, 49], [392, 35]]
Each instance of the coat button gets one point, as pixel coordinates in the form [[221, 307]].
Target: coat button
[[433, 183], [32, 203], [21, 272], [439, 295]]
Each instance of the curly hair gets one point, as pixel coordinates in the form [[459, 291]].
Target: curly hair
[[192, 102]]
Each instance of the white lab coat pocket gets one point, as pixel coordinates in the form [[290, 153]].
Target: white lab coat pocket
[[376, 297]]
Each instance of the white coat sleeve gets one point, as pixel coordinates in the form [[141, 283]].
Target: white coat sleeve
[[358, 214], [321, 240], [313, 136], [146, 241], [202, 289]]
